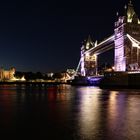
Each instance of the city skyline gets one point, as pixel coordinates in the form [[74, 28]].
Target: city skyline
[[47, 36]]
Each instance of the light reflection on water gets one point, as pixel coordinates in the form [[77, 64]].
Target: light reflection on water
[[89, 113], [70, 113]]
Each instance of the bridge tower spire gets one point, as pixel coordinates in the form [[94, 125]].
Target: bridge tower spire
[[130, 11]]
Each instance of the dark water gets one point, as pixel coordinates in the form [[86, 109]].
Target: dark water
[[69, 113]]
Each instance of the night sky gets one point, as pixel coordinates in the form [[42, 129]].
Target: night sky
[[47, 35]]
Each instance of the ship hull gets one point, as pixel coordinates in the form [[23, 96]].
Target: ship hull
[[120, 80]]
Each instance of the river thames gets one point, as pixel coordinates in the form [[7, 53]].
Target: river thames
[[69, 113]]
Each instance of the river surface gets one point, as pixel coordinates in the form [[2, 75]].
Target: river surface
[[69, 113]]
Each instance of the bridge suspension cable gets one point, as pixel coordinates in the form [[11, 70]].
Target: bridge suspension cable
[[78, 66], [76, 71], [135, 43]]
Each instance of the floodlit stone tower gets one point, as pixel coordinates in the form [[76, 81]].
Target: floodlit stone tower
[[127, 54], [88, 60]]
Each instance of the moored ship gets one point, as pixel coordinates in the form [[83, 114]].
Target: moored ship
[[121, 80]]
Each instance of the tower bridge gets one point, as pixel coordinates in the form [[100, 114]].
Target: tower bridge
[[125, 44]]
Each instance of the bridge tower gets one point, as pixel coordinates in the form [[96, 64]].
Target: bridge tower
[[127, 56], [88, 60]]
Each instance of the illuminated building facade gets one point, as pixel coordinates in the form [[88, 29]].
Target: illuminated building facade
[[125, 42], [7, 74]]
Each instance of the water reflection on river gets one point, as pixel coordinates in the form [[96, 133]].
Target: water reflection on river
[[70, 113]]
